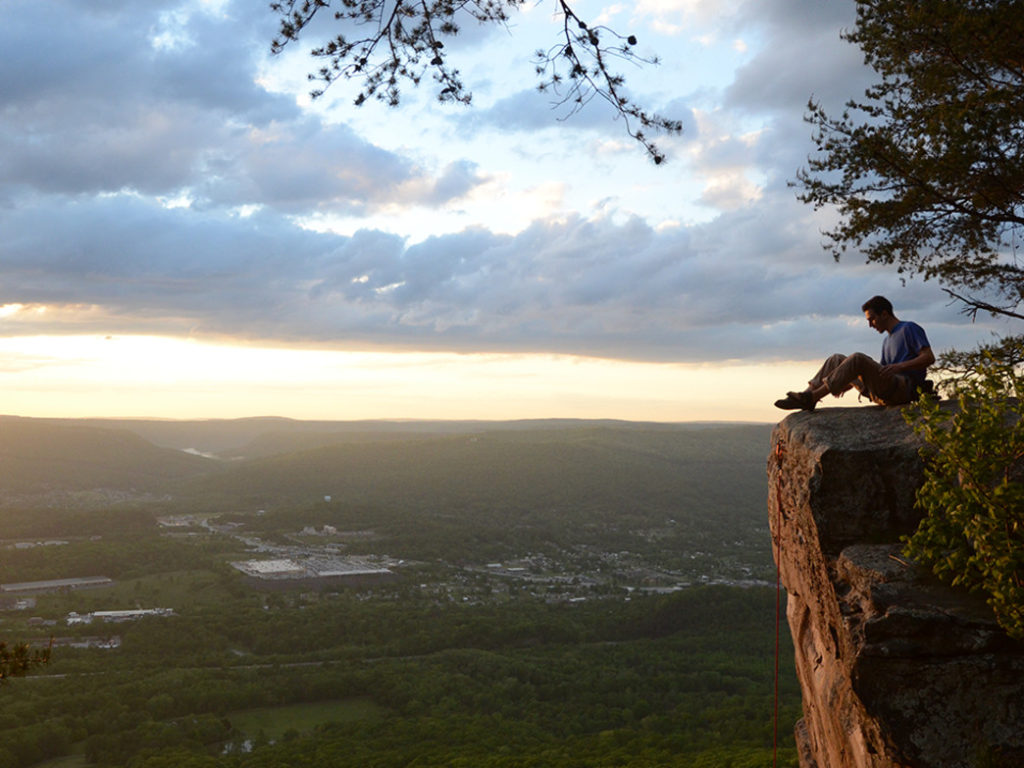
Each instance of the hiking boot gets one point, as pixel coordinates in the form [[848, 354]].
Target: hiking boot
[[803, 401]]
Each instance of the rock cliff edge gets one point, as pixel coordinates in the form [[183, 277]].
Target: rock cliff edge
[[896, 669]]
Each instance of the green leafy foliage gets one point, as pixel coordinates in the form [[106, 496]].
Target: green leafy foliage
[[962, 365], [683, 679], [973, 493]]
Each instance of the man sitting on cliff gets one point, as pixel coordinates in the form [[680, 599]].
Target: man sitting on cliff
[[897, 379]]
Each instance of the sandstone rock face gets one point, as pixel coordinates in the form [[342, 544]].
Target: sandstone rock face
[[896, 670]]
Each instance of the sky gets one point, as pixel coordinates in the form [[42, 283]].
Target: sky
[[185, 233]]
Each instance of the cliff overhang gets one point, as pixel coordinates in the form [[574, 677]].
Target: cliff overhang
[[895, 668]]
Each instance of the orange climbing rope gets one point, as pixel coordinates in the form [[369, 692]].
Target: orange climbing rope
[[777, 540]]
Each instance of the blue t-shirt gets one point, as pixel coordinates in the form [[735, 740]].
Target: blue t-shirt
[[905, 342]]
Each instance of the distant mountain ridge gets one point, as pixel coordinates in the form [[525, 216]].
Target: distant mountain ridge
[[39, 455], [230, 438], [375, 461]]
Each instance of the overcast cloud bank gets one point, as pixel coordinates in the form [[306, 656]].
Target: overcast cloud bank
[[151, 182]]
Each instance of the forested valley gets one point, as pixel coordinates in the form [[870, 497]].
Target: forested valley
[[520, 594]]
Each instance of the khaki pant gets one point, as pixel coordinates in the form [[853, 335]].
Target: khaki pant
[[840, 373]]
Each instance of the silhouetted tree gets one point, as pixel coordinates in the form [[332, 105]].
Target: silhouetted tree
[[927, 169], [384, 43]]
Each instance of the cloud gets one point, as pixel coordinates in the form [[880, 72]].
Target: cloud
[[533, 110], [306, 167], [575, 285], [21, 362], [681, 17], [133, 136], [801, 56], [96, 108], [107, 99]]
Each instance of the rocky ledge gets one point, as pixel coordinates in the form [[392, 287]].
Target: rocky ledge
[[896, 669]]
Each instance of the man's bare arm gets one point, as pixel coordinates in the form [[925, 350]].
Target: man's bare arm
[[924, 358]]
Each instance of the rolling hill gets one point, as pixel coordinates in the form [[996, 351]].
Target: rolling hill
[[39, 455], [429, 466]]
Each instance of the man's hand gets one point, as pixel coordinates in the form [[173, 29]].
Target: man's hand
[[888, 371]]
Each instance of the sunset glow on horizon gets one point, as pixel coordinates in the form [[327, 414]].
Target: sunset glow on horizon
[[161, 377], [186, 234]]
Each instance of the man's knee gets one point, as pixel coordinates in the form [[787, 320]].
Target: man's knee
[[845, 371], [859, 364]]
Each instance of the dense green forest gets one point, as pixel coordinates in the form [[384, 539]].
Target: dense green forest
[[567, 654], [670, 680]]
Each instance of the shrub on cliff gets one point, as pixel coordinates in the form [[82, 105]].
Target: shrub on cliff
[[973, 493]]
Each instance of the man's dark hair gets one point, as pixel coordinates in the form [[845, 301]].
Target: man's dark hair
[[878, 305]]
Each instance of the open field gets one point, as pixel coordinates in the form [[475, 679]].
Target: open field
[[274, 722]]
